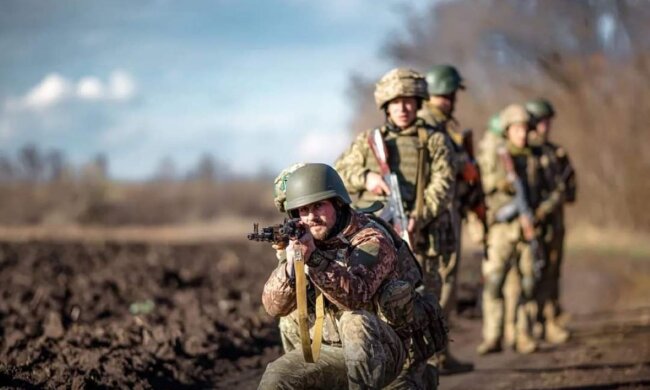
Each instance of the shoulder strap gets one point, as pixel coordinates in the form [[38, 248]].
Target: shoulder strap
[[423, 153]]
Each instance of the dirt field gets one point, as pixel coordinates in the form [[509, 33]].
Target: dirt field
[[115, 314]]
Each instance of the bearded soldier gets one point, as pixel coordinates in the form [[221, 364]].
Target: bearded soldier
[[507, 241], [347, 258], [559, 171], [444, 82], [415, 149]]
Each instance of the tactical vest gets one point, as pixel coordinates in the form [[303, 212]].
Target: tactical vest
[[403, 161]]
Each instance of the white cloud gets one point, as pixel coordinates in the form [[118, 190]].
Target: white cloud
[[54, 89], [50, 91], [121, 85], [90, 88]]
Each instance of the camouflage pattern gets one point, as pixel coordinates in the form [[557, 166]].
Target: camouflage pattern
[[354, 265], [370, 356], [434, 241], [514, 113], [558, 169], [280, 186], [506, 242], [400, 82], [449, 266]]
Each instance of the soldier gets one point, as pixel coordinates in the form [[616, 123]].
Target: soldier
[[348, 259], [559, 171], [399, 94], [444, 82], [506, 242]]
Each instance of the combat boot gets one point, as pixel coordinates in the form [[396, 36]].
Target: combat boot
[[489, 346], [555, 334], [447, 364], [525, 344]]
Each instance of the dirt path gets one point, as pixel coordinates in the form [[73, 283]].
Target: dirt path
[[114, 314], [608, 297]]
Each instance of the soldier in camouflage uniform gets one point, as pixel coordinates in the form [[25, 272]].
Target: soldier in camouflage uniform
[[488, 159], [559, 171], [400, 93], [444, 82], [506, 243], [348, 259]]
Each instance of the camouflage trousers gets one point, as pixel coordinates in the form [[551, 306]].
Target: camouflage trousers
[[548, 295], [415, 375], [371, 356], [507, 250]]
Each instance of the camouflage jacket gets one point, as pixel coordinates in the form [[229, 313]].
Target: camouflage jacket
[[354, 265], [358, 160], [542, 196], [433, 116], [560, 173]]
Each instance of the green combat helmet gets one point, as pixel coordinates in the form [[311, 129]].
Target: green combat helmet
[[312, 183], [494, 125], [514, 113], [280, 186], [443, 80], [540, 109], [400, 82]]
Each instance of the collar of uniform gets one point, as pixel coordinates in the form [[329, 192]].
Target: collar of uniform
[[357, 222], [390, 128], [515, 150]]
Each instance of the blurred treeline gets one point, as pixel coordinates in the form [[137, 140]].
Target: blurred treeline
[[41, 187], [590, 58]]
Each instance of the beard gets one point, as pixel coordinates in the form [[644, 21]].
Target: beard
[[319, 230]]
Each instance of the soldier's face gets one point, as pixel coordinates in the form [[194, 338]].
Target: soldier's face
[[518, 134], [320, 217], [444, 103], [543, 127], [403, 111]]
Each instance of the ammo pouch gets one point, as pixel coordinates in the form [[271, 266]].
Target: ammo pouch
[[395, 304], [429, 327]]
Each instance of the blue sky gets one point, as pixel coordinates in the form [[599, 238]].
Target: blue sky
[[258, 84]]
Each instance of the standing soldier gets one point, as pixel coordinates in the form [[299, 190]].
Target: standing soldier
[[506, 235], [559, 171], [444, 82], [415, 149]]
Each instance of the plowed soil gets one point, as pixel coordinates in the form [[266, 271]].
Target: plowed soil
[[115, 314]]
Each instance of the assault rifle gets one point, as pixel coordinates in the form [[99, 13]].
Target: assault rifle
[[523, 210], [394, 212], [280, 234], [277, 234]]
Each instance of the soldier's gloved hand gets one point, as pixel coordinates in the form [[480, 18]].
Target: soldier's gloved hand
[[376, 184]]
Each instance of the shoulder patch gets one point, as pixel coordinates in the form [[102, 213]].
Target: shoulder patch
[[365, 254]]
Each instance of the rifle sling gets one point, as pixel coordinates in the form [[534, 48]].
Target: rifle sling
[[310, 350], [419, 188]]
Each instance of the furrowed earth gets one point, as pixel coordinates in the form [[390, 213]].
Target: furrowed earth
[[148, 314]]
